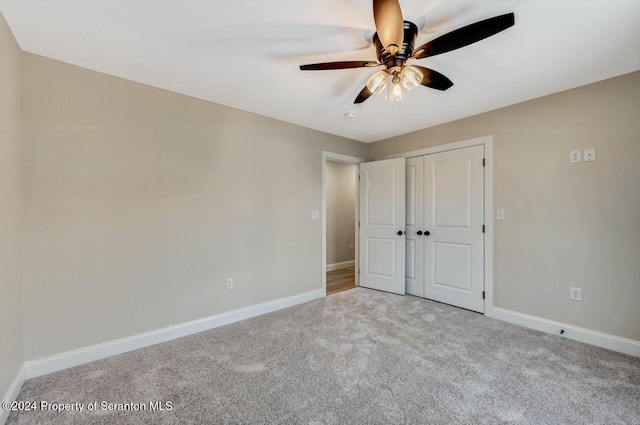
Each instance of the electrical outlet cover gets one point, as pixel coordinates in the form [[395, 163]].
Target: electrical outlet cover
[[576, 294], [575, 156]]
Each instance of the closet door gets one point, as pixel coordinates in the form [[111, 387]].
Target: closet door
[[415, 223], [382, 225], [454, 219]]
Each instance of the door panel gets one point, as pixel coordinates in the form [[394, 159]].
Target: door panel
[[452, 265], [380, 202], [452, 185], [415, 220], [382, 216], [454, 216], [381, 257]]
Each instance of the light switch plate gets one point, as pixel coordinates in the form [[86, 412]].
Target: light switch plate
[[315, 214], [590, 154], [500, 215], [575, 156]]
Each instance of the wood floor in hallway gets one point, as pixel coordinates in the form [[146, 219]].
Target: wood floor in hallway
[[341, 280]]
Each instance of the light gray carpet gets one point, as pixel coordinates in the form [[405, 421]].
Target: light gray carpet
[[358, 357]]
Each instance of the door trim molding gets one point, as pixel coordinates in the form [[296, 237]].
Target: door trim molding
[[487, 141], [482, 140], [332, 156]]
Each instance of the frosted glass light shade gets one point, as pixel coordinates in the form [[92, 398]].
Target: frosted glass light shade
[[377, 82], [411, 77], [396, 89]]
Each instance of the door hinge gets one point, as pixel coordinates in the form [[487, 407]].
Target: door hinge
[[483, 228], [483, 295], [358, 271], [483, 163], [358, 224], [358, 176]]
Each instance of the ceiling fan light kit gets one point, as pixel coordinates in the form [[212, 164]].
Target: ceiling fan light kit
[[411, 77], [394, 42], [396, 90], [378, 82]]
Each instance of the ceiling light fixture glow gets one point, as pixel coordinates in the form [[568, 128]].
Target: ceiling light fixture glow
[[396, 89], [407, 78], [378, 82], [411, 77]]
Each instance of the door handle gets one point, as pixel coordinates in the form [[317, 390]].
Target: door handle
[[427, 233], [400, 233], [419, 232]]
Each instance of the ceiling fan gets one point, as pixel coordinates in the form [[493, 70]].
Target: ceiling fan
[[394, 44]]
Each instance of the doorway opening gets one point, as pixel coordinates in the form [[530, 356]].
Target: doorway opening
[[340, 222], [341, 183]]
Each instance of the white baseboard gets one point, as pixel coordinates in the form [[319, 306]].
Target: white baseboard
[[34, 368], [12, 393], [599, 339], [80, 356], [340, 266]]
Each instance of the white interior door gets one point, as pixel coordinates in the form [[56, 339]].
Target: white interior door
[[382, 225], [415, 225], [454, 219]]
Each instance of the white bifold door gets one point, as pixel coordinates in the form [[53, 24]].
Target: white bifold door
[[422, 226], [445, 227], [382, 225], [415, 226]]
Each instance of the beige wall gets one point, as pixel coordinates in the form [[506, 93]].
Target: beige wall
[[341, 211], [141, 202], [566, 224], [10, 210]]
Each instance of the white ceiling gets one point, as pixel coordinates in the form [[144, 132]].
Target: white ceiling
[[245, 53]]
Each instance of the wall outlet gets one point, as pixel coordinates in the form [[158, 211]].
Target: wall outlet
[[576, 294], [350, 247], [315, 214], [230, 283], [590, 154], [575, 156]]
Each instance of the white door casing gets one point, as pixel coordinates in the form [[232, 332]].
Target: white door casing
[[454, 218], [382, 217], [414, 224]]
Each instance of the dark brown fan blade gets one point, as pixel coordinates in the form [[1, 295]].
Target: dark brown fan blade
[[338, 65], [389, 23], [465, 36], [364, 95], [433, 79]]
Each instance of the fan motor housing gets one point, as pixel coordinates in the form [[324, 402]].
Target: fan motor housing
[[404, 53]]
